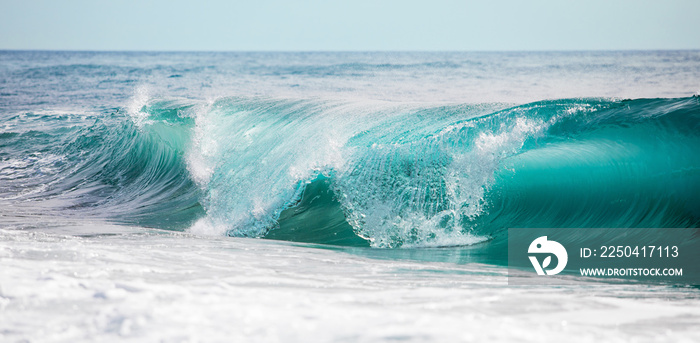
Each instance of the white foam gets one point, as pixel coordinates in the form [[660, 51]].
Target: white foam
[[135, 106], [169, 287]]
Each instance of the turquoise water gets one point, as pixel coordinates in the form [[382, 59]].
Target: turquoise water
[[147, 139], [380, 175], [423, 157]]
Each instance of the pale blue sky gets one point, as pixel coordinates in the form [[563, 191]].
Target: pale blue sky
[[349, 25]]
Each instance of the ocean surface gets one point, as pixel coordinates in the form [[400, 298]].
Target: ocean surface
[[336, 196]]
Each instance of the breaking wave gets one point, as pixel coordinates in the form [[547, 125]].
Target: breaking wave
[[363, 173]]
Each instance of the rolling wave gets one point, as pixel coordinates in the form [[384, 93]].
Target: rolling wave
[[99, 166], [364, 173]]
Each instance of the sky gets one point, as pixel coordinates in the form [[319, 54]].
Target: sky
[[358, 25]]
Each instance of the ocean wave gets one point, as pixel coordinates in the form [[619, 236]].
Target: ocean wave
[[370, 173]]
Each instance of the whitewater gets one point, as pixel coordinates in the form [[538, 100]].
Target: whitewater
[[336, 196]]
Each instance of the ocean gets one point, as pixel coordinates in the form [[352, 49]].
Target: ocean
[[338, 196]]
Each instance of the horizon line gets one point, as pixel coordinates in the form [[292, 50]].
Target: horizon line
[[345, 51]]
